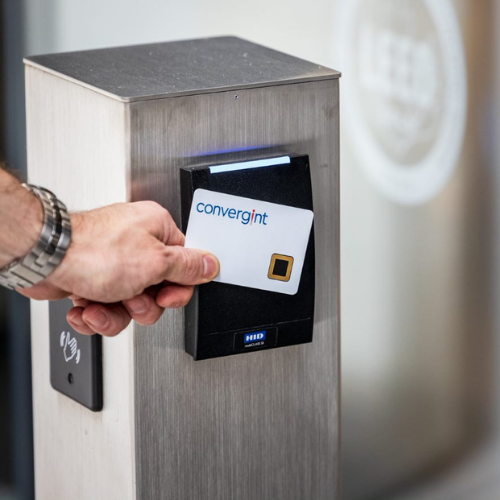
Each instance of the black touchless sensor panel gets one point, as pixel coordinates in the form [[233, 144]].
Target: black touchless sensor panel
[[75, 359], [221, 316]]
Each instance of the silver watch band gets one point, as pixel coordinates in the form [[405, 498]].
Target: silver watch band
[[50, 249]]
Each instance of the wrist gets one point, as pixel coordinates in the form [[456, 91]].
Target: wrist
[[21, 220], [51, 244]]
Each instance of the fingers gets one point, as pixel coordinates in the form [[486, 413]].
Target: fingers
[[74, 318], [106, 319], [176, 236], [172, 296], [144, 309], [184, 266], [166, 230], [110, 319]]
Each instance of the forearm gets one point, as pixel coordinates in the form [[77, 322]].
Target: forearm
[[21, 219]]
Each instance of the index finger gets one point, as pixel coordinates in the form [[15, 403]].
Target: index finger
[[176, 237]]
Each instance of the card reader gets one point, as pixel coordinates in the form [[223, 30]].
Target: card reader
[[224, 319]]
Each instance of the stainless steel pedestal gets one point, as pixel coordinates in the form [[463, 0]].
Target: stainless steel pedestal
[[116, 125]]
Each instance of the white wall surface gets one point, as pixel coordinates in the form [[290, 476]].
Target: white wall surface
[[294, 26], [67, 25]]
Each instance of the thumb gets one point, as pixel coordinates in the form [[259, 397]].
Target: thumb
[[188, 266]]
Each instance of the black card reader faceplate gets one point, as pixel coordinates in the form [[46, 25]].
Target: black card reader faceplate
[[220, 313]]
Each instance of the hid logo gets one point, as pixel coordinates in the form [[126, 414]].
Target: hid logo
[[254, 337], [244, 216]]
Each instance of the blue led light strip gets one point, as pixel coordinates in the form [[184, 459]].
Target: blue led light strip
[[249, 164]]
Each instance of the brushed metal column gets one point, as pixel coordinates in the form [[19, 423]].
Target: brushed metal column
[[117, 125]]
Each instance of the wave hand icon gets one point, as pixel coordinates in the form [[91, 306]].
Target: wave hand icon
[[70, 347]]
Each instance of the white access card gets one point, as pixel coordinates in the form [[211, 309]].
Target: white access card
[[259, 244]]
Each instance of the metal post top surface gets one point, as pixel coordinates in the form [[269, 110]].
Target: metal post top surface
[[171, 69]]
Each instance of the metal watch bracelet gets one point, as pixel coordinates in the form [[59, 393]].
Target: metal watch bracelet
[[50, 249]]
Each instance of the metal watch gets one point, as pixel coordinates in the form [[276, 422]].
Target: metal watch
[[50, 249]]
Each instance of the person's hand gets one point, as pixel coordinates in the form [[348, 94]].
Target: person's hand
[[126, 261]]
